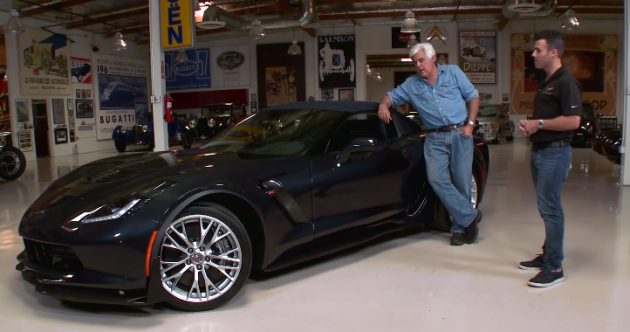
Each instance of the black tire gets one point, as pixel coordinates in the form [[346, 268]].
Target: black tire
[[235, 226], [121, 146], [443, 222], [10, 154]]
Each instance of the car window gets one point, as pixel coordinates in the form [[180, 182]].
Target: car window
[[278, 133], [362, 125]]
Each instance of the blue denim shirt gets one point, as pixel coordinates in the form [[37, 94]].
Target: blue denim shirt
[[441, 105]]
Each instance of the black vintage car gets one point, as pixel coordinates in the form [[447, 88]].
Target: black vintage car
[[212, 119], [589, 126], [289, 184]]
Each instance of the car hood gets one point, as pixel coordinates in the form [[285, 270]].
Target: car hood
[[116, 175]]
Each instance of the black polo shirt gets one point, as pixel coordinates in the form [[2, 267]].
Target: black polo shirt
[[560, 95]]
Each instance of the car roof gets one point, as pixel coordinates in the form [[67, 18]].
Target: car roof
[[342, 106]]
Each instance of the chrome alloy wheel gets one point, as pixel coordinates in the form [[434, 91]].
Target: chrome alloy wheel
[[474, 194], [201, 259]]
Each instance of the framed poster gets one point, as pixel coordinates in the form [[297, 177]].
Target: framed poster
[[189, 69], [346, 94], [337, 61], [400, 40], [85, 109], [61, 135], [478, 56], [59, 116]]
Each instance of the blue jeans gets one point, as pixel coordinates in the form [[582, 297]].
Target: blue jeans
[[449, 158], [550, 168]]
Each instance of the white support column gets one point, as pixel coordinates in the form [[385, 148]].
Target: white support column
[[625, 160], [158, 85]]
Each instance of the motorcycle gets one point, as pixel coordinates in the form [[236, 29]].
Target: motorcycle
[[12, 160]]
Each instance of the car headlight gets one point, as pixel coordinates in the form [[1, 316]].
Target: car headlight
[[192, 123], [120, 206], [145, 128]]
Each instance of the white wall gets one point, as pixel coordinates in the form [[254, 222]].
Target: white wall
[[81, 48]]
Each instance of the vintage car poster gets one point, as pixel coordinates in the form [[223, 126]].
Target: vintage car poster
[[187, 69], [336, 61], [81, 70], [478, 56], [281, 77], [591, 59], [121, 82], [44, 62]]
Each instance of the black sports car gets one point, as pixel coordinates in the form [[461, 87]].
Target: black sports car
[[290, 183]]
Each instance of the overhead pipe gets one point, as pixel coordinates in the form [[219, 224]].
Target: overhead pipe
[[233, 22]]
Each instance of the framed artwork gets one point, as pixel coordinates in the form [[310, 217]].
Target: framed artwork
[[84, 109], [59, 116], [61, 135], [346, 94]]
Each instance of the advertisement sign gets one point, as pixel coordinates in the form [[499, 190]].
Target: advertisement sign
[[337, 61], [187, 69], [122, 90], [478, 56], [44, 59], [177, 24], [81, 70], [591, 59]]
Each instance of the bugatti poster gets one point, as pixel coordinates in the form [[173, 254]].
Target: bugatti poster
[[336, 61], [122, 92], [44, 63]]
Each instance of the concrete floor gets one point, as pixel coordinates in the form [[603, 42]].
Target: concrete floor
[[409, 283]]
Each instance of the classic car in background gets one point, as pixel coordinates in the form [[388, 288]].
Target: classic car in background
[[142, 133], [607, 144], [494, 123], [589, 126], [212, 119]]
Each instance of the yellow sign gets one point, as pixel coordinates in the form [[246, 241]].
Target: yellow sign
[[177, 24]]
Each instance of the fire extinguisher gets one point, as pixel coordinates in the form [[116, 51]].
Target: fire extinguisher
[[168, 113]]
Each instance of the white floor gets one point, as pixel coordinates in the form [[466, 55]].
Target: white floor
[[417, 283]]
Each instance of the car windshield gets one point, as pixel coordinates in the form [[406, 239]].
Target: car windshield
[[216, 110], [487, 111], [277, 133]]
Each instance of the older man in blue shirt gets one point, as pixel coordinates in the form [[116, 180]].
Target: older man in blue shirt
[[440, 94]]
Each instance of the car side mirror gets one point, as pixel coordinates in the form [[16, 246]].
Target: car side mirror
[[357, 145]]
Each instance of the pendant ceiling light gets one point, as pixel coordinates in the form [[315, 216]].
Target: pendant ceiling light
[[294, 49], [412, 41], [256, 31], [181, 57], [14, 25], [410, 24], [119, 43], [570, 21]]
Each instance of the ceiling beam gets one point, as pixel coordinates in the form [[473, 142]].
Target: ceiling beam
[[51, 6], [109, 16]]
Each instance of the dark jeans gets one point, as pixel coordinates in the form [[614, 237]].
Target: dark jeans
[[550, 168], [449, 159]]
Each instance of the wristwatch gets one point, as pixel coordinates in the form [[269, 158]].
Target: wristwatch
[[541, 123], [472, 123]]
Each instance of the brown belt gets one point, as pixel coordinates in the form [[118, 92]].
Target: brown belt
[[447, 128]]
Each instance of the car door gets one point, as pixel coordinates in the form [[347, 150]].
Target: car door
[[366, 188]]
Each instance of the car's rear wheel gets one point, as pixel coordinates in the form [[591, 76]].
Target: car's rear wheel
[[205, 258], [443, 221]]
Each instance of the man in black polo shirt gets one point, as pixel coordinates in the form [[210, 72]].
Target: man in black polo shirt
[[557, 112]]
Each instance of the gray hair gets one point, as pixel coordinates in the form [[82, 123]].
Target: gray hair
[[428, 49]]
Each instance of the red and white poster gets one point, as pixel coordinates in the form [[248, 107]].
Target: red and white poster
[[81, 70]]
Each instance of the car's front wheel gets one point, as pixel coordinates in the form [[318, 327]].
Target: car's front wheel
[[205, 258]]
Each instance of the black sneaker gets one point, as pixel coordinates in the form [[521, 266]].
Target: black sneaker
[[472, 231], [458, 239], [547, 278], [534, 265]]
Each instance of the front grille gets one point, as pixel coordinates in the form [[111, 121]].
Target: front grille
[[51, 256]]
